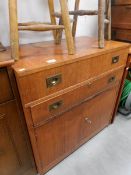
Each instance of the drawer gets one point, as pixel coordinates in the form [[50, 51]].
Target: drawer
[[66, 133], [124, 20], [45, 110], [5, 88], [121, 2], [120, 34], [40, 84]]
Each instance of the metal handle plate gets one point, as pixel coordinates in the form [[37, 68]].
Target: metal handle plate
[[54, 80], [55, 105], [115, 59]]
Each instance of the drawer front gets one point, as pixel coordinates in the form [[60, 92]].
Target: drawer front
[[123, 35], [45, 110], [36, 86], [121, 2], [5, 88], [61, 136], [124, 20]]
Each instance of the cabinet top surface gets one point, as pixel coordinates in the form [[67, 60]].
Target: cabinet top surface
[[40, 56]]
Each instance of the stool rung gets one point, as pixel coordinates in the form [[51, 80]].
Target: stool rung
[[32, 23], [106, 21], [40, 27], [79, 13]]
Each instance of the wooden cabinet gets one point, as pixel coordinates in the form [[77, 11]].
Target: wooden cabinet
[[68, 99], [121, 20], [13, 148], [5, 87], [15, 153], [67, 132]]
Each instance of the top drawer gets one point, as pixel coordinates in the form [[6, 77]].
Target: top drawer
[[124, 20], [35, 86], [5, 88]]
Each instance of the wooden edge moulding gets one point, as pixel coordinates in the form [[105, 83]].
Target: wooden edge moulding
[[64, 24]]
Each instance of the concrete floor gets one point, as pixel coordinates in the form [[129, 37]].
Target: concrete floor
[[109, 153]]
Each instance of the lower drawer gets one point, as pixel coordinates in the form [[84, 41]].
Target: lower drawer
[[61, 136], [42, 111], [121, 34]]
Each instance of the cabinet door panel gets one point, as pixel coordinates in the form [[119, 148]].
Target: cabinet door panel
[[8, 155], [50, 141], [97, 113], [14, 157], [5, 88], [62, 135]]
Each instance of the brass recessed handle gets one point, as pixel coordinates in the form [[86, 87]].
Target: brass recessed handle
[[55, 105], [111, 79], [115, 59], [54, 80], [88, 120]]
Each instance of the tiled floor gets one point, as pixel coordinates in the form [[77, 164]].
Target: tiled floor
[[109, 153]]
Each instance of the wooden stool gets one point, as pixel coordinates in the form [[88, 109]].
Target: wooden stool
[[36, 26], [103, 18]]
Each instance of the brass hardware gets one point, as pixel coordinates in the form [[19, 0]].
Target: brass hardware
[[88, 120], [55, 106], [115, 59], [54, 80], [112, 79]]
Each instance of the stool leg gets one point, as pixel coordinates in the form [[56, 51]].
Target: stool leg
[[67, 25], [14, 36], [77, 3], [108, 16], [52, 17], [101, 23]]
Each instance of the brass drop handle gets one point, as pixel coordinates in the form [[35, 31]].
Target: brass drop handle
[[111, 79], [54, 80], [88, 120], [115, 59], [55, 105]]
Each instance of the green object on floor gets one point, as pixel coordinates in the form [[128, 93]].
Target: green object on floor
[[125, 101], [125, 93]]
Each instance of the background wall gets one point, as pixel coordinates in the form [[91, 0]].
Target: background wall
[[37, 10]]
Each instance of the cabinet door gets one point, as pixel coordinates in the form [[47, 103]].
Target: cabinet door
[[62, 135], [97, 113], [14, 157]]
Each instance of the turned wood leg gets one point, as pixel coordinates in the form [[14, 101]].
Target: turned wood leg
[[67, 25], [108, 16], [52, 16], [14, 36], [101, 23], [77, 3]]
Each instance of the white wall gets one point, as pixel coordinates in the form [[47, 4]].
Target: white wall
[[37, 10]]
